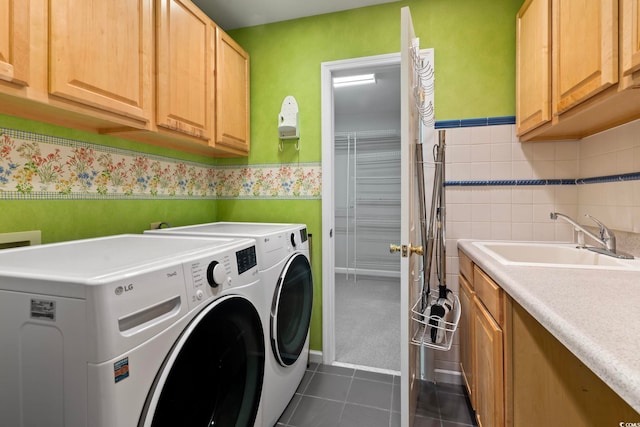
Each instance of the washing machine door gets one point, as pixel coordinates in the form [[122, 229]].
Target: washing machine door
[[291, 310], [213, 375]]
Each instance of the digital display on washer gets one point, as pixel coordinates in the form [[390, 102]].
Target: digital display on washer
[[303, 235], [246, 259]]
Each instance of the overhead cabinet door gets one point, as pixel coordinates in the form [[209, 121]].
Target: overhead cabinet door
[[232, 94], [101, 52], [533, 65], [630, 15], [585, 50], [185, 70], [14, 41]]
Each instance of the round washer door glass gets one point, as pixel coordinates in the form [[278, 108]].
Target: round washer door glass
[[214, 373], [291, 310]]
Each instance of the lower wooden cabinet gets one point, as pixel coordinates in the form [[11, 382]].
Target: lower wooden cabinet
[[488, 350], [517, 373], [466, 331], [552, 387]]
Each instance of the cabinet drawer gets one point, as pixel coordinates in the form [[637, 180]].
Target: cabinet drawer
[[489, 293], [466, 266]]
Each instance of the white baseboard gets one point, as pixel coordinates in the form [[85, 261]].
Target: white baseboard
[[367, 272], [441, 375], [315, 356], [448, 377]]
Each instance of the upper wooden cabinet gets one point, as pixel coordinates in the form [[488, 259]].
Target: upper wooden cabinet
[[185, 54], [585, 50], [586, 53], [232, 94], [630, 22], [145, 70], [533, 62], [14, 42], [100, 54]]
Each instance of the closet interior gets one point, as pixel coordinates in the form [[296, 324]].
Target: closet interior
[[367, 219]]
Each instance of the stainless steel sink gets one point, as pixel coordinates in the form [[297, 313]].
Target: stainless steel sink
[[566, 255]]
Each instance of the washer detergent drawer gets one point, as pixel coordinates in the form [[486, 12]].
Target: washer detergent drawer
[[43, 373], [142, 306]]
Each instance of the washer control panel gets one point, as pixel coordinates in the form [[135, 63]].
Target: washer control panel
[[209, 276]]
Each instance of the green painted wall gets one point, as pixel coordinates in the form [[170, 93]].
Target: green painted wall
[[61, 220], [475, 49], [474, 42]]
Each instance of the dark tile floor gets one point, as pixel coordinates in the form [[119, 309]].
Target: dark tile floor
[[332, 396]]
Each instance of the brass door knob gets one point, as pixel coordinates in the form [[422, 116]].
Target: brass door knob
[[394, 248], [406, 249]]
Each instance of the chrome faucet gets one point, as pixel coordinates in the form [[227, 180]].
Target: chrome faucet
[[607, 238]]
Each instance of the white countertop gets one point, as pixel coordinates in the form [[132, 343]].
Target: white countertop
[[594, 313]]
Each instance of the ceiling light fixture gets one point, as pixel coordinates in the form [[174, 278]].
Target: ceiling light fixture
[[361, 79]]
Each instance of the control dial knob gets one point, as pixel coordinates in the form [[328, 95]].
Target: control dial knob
[[294, 242], [215, 274]]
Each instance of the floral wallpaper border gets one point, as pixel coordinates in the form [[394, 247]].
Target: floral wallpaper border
[[36, 166]]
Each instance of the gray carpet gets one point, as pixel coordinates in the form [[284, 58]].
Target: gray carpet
[[368, 321]]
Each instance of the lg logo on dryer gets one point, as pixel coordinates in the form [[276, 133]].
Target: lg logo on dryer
[[122, 289]]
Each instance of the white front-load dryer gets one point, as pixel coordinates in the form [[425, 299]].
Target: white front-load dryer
[[129, 331], [285, 272]]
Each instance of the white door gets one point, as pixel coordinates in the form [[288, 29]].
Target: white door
[[409, 226]]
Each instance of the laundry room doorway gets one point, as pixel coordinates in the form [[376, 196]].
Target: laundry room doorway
[[361, 212]]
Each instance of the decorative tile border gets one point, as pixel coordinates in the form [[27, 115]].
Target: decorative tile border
[[36, 166], [484, 121], [633, 176]]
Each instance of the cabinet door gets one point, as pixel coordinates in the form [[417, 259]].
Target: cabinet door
[[630, 15], [14, 41], [585, 50], [232, 94], [184, 69], [489, 362], [100, 54], [533, 65], [467, 339]]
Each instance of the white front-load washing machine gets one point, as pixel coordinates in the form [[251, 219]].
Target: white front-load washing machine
[[131, 330], [285, 272]]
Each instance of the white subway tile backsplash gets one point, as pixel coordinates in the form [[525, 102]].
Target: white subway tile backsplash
[[544, 151], [544, 194], [522, 231], [522, 195], [501, 152], [480, 153], [522, 151], [624, 161], [544, 169], [522, 170], [481, 170], [501, 230], [481, 213], [501, 170], [501, 133], [544, 232], [481, 135], [521, 213], [500, 195], [501, 213], [567, 150], [566, 169]]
